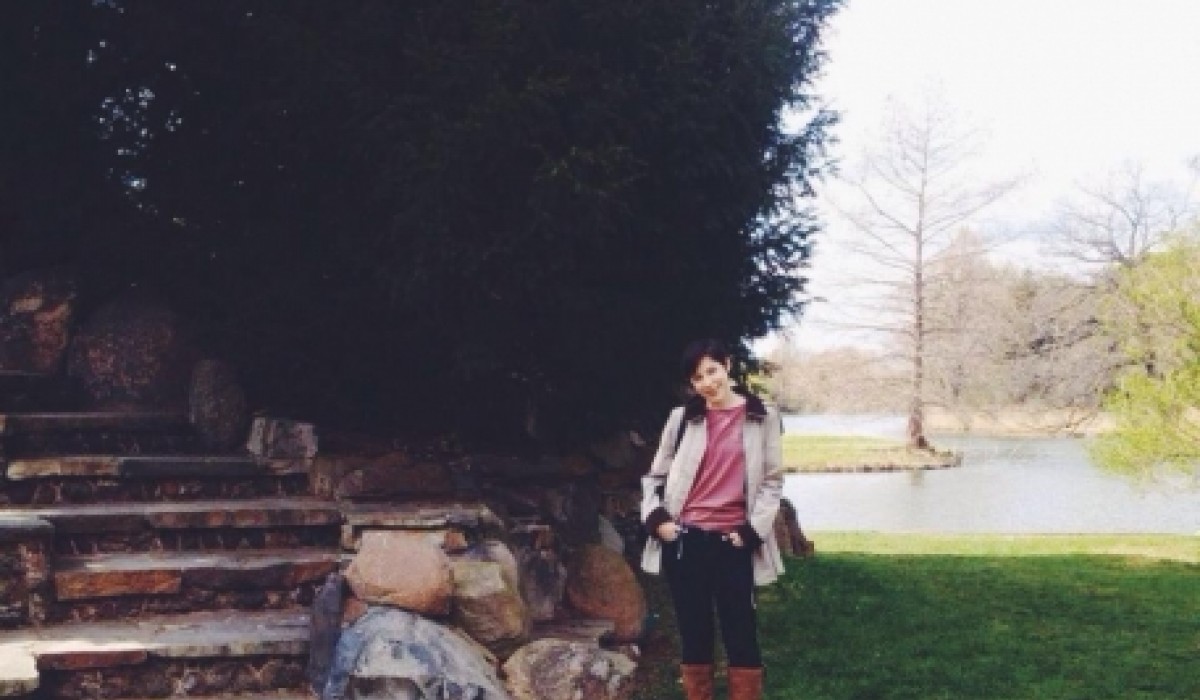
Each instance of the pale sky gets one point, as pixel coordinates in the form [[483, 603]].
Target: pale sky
[[1065, 91]]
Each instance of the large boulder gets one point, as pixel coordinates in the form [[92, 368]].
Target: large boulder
[[600, 584], [217, 406], [488, 607], [403, 569], [36, 310], [132, 353], [393, 654], [553, 669]]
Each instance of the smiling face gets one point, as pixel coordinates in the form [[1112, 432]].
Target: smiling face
[[711, 381]]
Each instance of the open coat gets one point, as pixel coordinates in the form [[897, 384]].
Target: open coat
[[671, 475]]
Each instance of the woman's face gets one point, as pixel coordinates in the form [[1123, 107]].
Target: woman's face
[[711, 380]]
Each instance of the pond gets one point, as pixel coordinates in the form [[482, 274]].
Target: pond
[[1005, 485]]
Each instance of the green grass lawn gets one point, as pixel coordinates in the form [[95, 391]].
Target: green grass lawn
[[818, 452], [973, 617]]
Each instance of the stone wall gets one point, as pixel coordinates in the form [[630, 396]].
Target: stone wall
[[25, 545]]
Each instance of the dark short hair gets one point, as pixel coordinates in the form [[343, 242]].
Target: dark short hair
[[697, 350]]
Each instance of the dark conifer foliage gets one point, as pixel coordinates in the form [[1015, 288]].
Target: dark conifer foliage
[[444, 215]]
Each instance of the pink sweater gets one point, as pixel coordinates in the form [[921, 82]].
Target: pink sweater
[[717, 500]]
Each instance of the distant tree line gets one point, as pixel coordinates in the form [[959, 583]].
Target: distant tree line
[[501, 219], [1005, 337]]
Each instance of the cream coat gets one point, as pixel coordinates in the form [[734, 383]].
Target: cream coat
[[676, 472]]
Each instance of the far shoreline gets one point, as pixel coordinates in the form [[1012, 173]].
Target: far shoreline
[[1001, 422], [1019, 422]]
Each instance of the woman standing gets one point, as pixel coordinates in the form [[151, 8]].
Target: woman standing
[[709, 504]]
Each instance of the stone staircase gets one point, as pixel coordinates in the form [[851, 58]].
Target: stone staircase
[[135, 565]]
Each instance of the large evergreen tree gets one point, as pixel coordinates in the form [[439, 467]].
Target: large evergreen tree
[[428, 214]]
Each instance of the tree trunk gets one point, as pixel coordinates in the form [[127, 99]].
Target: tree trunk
[[916, 410], [916, 427]]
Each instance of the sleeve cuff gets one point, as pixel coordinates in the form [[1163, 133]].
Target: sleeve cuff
[[657, 517], [748, 535]]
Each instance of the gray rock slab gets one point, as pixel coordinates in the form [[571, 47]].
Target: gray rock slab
[[79, 465], [469, 516], [423, 515], [153, 466], [76, 421], [21, 375], [21, 528], [197, 635], [148, 573], [183, 466], [130, 517]]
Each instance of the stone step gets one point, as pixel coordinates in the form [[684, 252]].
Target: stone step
[[131, 517], [189, 525], [27, 435], [125, 585], [152, 466], [32, 445], [153, 573], [92, 421], [469, 517], [65, 491], [179, 655], [89, 479], [19, 375]]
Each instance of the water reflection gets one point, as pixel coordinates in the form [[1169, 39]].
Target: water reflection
[[1004, 485]]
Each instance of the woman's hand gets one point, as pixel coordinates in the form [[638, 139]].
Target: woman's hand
[[668, 531], [735, 539]]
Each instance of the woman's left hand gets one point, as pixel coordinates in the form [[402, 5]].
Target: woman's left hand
[[735, 539]]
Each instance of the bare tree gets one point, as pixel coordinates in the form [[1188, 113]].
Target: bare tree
[[1113, 224], [909, 197]]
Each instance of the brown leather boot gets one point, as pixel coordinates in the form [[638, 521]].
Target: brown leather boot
[[745, 683], [697, 681]]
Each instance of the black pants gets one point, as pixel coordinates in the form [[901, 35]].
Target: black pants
[[705, 572]]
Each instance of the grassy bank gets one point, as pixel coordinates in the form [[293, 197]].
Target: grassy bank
[[1181, 548], [814, 453], [973, 617]]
